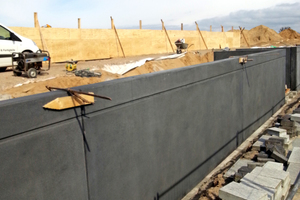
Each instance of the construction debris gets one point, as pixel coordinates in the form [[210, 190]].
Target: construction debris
[[86, 73], [76, 98]]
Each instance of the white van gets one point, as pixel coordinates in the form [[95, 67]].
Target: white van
[[12, 42]]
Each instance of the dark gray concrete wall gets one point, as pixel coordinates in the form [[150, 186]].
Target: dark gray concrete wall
[[162, 133], [292, 68], [298, 68]]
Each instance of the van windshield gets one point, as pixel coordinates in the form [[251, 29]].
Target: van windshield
[[4, 34]]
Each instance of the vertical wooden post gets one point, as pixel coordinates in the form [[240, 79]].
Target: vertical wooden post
[[35, 20], [112, 22], [79, 24], [210, 28], [182, 26], [201, 34], [232, 28], [163, 26], [41, 35], [140, 24], [119, 41], [242, 29], [222, 28]]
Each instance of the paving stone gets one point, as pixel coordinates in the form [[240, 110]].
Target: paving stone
[[294, 170], [236, 191], [244, 170], [287, 123], [271, 185], [273, 165], [286, 139], [255, 164], [264, 160], [270, 148], [295, 117], [279, 157], [259, 145], [295, 156], [238, 176], [277, 131], [262, 154], [297, 110], [234, 169], [291, 131], [296, 142]]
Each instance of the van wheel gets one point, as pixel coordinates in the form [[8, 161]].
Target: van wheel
[[2, 69], [32, 73]]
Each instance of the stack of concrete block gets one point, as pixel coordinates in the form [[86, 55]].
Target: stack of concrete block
[[294, 164], [239, 169], [295, 118], [236, 191], [259, 145], [270, 180], [274, 172], [279, 132]]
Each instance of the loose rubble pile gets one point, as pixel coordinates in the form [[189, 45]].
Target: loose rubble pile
[[274, 168]]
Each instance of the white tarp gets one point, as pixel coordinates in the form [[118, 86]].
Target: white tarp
[[124, 68]]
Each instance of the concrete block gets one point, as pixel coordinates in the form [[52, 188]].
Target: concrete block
[[295, 156], [234, 169], [264, 183], [236, 191], [279, 157], [295, 117], [294, 170], [277, 131], [259, 145]]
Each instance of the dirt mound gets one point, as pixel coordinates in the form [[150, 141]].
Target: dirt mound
[[289, 34], [260, 35]]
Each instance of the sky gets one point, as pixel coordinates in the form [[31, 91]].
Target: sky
[[126, 14]]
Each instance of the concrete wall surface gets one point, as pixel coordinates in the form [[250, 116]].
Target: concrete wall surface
[[292, 78], [88, 44], [160, 135], [297, 68]]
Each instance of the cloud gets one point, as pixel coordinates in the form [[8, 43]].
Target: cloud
[[275, 17]]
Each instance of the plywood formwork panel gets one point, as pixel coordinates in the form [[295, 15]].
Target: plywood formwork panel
[[86, 44]]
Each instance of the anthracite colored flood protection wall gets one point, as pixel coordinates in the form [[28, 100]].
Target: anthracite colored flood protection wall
[[292, 78], [160, 135]]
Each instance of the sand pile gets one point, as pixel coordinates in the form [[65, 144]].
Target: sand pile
[[190, 58], [260, 35], [289, 34]]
